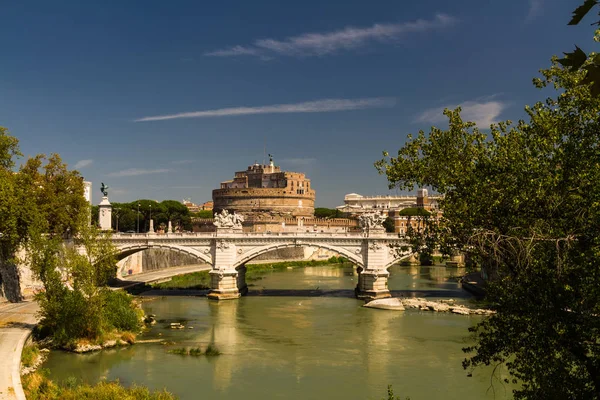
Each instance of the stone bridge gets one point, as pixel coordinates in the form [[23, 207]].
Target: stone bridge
[[228, 250]]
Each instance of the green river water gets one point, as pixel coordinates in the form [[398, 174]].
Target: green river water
[[300, 334]]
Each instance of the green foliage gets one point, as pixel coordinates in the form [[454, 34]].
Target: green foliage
[[203, 214], [75, 303], [523, 201], [38, 386], [194, 280], [321, 212], [578, 59], [212, 350], [121, 312], [182, 351], [29, 355], [389, 225], [162, 212], [390, 394], [414, 212], [196, 352]]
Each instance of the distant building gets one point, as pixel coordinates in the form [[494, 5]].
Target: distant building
[[356, 204], [87, 191], [264, 191], [190, 206], [207, 206]]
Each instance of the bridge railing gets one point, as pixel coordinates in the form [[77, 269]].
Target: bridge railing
[[119, 235]]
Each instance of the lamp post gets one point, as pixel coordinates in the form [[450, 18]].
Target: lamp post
[[138, 218], [117, 216]]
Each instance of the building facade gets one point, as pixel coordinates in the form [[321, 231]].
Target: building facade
[[266, 192], [356, 204]]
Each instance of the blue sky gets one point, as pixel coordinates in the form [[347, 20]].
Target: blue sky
[[163, 100]]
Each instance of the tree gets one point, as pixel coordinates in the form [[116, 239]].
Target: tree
[[524, 202], [578, 59], [389, 225], [321, 212], [176, 212], [12, 230]]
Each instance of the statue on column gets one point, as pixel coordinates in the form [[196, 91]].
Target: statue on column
[[226, 220], [104, 190], [372, 221]]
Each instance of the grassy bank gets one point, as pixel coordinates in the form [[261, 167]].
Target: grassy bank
[[38, 386], [201, 280]]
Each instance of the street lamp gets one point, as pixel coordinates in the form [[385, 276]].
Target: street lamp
[[138, 219], [118, 210]]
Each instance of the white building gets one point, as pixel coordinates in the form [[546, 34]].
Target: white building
[[355, 203]]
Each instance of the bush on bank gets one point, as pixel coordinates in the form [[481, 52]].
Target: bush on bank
[[38, 386]]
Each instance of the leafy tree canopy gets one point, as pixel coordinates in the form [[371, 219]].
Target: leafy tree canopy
[[321, 212], [524, 202], [414, 212]]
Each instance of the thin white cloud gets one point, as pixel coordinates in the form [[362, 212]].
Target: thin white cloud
[[349, 38], [138, 171], [83, 163], [179, 162], [535, 9], [234, 51], [483, 113], [317, 106]]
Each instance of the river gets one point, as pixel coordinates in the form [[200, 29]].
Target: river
[[300, 334]]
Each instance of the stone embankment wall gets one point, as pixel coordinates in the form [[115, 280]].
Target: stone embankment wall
[[16, 280], [10, 284], [153, 259]]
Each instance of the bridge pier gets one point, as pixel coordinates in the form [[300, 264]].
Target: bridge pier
[[372, 284], [224, 284], [241, 280]]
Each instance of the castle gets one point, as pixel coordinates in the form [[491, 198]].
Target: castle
[[266, 191], [272, 200]]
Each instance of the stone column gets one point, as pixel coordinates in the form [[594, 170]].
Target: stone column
[[373, 278], [151, 230], [105, 214], [170, 227]]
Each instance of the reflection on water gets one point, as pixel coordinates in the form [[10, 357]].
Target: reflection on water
[[297, 347]]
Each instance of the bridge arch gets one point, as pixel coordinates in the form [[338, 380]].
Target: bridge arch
[[397, 259], [255, 252], [124, 251]]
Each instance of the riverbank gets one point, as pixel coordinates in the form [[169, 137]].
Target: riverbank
[[39, 387]]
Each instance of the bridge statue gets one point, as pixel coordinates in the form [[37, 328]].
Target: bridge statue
[[226, 220], [104, 190], [372, 221]]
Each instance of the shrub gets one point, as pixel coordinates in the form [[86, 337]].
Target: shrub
[[29, 355], [182, 351], [212, 350], [197, 351], [120, 311], [37, 386]]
